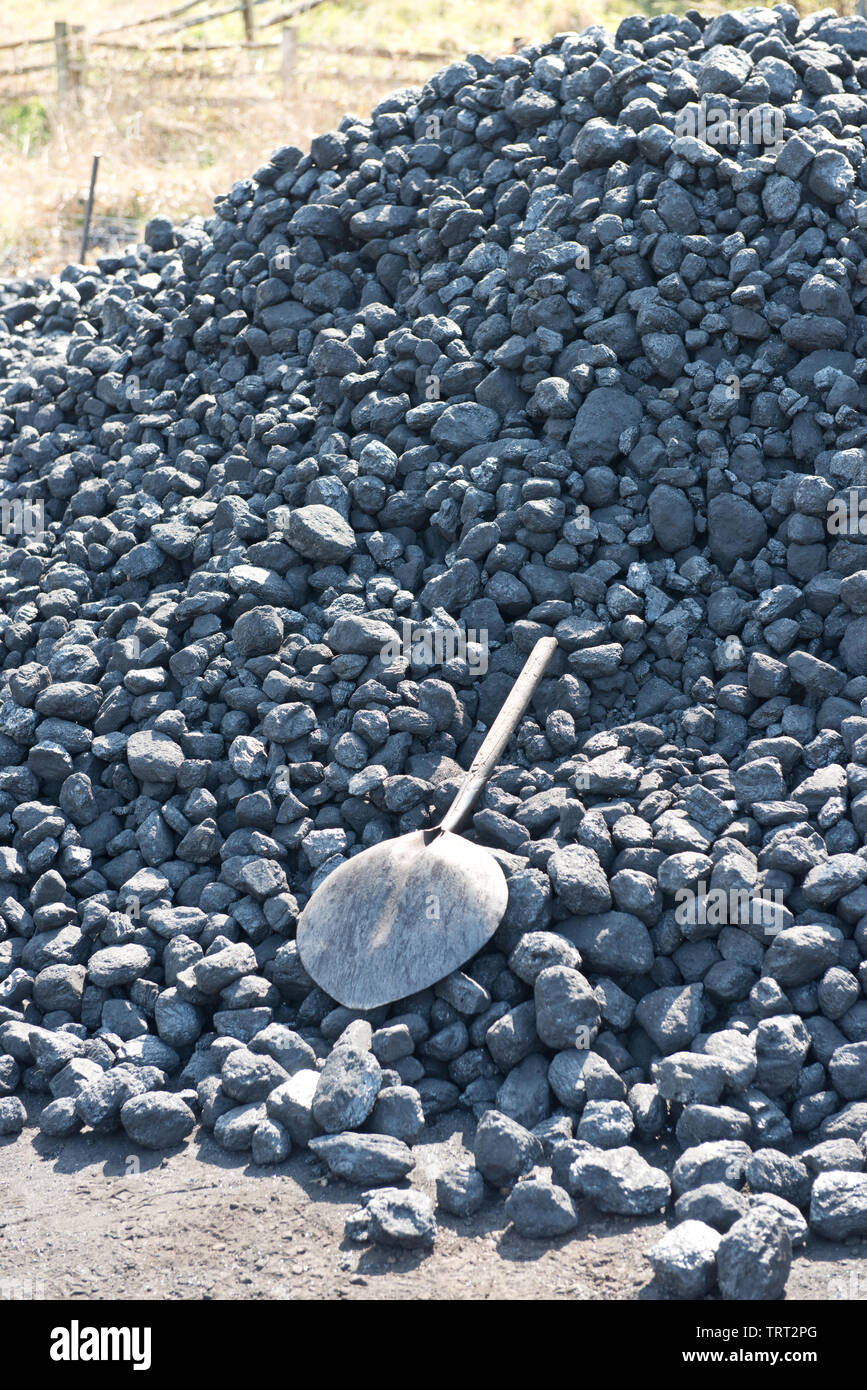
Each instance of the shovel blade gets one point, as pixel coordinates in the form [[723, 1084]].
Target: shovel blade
[[399, 917]]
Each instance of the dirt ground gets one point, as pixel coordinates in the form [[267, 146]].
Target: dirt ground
[[89, 1218]]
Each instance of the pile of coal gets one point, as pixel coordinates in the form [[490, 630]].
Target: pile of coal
[[569, 343]]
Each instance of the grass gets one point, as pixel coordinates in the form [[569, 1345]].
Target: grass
[[175, 129]]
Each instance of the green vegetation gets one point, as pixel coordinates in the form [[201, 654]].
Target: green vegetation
[[26, 124]]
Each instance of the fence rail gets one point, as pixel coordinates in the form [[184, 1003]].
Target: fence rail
[[28, 67], [184, 47]]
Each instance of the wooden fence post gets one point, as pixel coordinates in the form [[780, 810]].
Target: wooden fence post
[[69, 57], [287, 60], [249, 21], [77, 61], [61, 48]]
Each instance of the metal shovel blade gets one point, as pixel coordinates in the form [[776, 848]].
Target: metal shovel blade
[[400, 916], [404, 914]]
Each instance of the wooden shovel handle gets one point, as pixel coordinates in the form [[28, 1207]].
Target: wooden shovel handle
[[500, 732]]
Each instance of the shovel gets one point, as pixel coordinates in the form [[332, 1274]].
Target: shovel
[[406, 913]]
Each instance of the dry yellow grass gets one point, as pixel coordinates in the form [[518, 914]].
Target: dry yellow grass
[[175, 129]]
